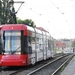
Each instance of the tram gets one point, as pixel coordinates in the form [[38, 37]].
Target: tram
[[24, 45]]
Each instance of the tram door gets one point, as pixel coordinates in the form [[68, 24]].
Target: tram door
[[31, 40], [52, 47], [44, 46]]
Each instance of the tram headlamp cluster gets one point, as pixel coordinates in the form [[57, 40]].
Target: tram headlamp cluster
[[18, 53], [14, 53], [6, 53]]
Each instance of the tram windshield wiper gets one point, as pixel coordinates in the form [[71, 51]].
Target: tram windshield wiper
[[16, 50]]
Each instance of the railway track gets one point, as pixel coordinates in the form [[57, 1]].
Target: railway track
[[51, 68], [33, 70], [62, 66]]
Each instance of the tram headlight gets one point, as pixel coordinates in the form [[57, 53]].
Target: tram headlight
[[6, 53], [18, 53]]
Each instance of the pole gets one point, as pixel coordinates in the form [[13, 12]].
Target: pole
[[11, 9]]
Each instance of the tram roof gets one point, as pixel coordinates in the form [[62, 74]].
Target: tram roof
[[14, 27], [42, 29]]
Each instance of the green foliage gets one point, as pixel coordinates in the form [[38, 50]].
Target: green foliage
[[73, 44], [28, 22], [6, 16]]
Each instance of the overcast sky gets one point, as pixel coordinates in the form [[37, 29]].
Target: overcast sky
[[56, 16]]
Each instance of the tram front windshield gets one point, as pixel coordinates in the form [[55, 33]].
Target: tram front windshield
[[12, 42]]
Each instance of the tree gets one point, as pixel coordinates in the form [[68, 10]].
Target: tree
[[6, 16], [73, 44], [28, 22], [19, 21]]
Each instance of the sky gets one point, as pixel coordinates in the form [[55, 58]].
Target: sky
[[56, 16]]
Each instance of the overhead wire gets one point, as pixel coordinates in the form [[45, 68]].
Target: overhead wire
[[36, 13], [56, 6], [41, 15], [30, 8], [64, 17]]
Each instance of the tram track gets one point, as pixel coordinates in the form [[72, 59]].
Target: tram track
[[10, 70], [62, 67], [50, 68], [32, 69]]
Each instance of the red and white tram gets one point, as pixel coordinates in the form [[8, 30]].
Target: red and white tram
[[24, 45]]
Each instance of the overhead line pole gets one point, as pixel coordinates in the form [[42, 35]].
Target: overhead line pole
[[12, 6]]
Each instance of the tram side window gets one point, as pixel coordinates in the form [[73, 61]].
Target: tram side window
[[52, 45], [49, 47], [45, 43], [33, 42], [37, 42], [40, 42], [29, 40], [29, 45], [48, 44]]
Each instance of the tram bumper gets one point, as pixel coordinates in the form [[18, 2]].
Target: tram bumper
[[13, 61]]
